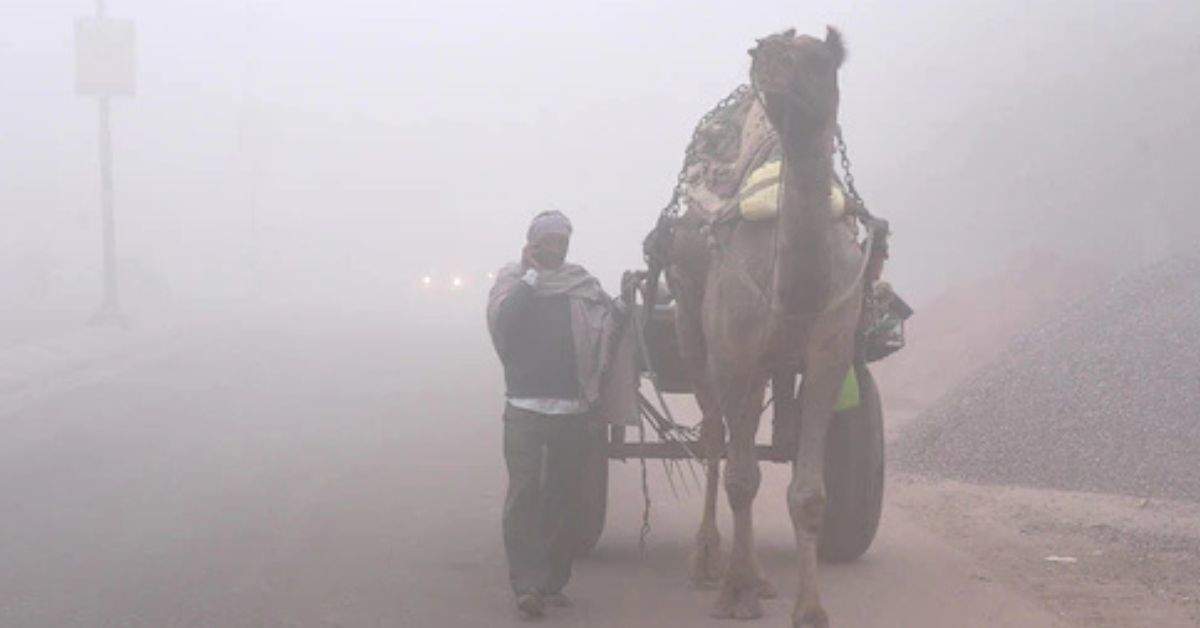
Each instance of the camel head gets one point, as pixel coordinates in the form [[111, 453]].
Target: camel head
[[796, 78]]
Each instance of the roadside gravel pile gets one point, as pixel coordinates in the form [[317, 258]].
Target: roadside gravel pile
[[972, 323], [1103, 397]]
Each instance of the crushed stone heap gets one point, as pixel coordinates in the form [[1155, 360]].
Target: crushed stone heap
[[1104, 396]]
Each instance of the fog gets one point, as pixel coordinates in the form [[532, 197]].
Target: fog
[[343, 151], [298, 423]]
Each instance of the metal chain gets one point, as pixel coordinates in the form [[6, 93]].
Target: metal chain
[[847, 176], [735, 97], [656, 242], [689, 156]]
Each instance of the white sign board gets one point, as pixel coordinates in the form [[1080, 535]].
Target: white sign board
[[104, 57]]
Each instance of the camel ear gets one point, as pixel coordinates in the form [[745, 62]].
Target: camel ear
[[833, 39]]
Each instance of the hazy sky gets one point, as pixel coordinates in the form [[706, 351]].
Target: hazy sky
[[368, 143]]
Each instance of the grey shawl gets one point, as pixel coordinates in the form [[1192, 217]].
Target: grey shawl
[[596, 323]]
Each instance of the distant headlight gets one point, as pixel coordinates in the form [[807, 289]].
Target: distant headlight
[[427, 281], [456, 283]]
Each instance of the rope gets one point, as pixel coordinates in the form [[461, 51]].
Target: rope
[[645, 531], [666, 426]]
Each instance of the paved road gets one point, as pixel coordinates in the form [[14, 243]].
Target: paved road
[[338, 471]]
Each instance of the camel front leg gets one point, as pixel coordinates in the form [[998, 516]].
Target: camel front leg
[[706, 563], [806, 492], [743, 582]]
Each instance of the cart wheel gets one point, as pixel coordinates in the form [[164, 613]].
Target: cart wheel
[[853, 476], [594, 491]]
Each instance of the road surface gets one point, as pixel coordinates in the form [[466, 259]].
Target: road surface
[[345, 470]]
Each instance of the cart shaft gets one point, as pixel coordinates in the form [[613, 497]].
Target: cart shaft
[[673, 451]]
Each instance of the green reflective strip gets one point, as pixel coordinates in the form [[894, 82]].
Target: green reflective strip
[[849, 398]]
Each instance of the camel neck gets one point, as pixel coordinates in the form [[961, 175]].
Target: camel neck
[[803, 255]]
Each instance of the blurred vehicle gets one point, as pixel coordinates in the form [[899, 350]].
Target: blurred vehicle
[[454, 283]]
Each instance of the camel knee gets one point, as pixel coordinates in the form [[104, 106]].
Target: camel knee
[[712, 440], [708, 534], [807, 507], [741, 484]]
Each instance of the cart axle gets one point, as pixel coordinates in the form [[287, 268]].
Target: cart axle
[[675, 451]]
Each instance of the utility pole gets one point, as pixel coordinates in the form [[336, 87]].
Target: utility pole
[[104, 68], [250, 145]]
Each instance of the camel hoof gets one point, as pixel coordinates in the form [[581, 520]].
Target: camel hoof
[[748, 606], [766, 590], [706, 565], [723, 607], [531, 606], [813, 618], [737, 603]]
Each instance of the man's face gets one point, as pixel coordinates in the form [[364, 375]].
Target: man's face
[[550, 250]]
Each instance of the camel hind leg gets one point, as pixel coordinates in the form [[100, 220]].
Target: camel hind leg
[[706, 563]]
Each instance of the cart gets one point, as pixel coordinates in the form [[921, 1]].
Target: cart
[[854, 454]]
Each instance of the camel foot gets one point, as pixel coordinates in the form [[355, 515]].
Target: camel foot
[[766, 590], [723, 607], [706, 564], [748, 606], [810, 618], [531, 606], [558, 600], [738, 602]]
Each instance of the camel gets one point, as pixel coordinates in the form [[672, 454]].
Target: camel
[[764, 299]]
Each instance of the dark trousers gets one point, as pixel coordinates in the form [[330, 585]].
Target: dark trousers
[[544, 455]]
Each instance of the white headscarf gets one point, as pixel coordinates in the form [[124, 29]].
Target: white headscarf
[[547, 222]]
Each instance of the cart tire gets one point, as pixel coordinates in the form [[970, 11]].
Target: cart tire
[[854, 462], [593, 491]]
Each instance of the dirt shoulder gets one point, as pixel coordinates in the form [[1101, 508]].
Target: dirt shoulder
[[1120, 561]]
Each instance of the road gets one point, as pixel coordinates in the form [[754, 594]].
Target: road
[[344, 469]]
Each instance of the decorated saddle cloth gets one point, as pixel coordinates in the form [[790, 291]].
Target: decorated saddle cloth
[[726, 148]]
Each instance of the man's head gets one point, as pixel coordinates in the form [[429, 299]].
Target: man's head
[[548, 239]]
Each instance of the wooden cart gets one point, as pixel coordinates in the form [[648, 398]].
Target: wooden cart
[[854, 454]]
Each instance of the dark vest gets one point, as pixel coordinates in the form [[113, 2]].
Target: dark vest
[[539, 359]]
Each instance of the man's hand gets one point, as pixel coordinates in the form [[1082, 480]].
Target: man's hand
[[528, 257], [546, 253], [630, 281]]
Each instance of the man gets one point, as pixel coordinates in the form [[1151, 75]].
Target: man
[[553, 327]]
